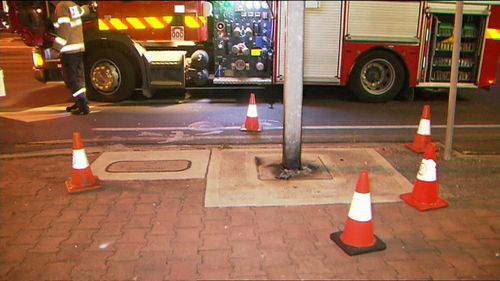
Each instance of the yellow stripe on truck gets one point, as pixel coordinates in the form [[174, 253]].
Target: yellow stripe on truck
[[135, 23], [492, 33], [118, 24], [147, 22], [102, 25]]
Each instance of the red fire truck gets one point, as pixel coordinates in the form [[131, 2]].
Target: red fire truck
[[376, 48]]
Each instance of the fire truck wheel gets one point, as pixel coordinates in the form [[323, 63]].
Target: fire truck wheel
[[110, 76], [378, 76]]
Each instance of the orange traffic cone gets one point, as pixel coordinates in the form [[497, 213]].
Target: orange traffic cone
[[82, 178], [425, 191], [357, 237], [251, 121], [423, 136]]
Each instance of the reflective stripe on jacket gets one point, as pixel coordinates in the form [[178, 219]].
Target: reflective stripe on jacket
[[68, 23]]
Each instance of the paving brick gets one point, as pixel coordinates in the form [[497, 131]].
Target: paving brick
[[192, 208], [103, 243], [346, 270], [297, 231], [367, 263], [69, 216], [242, 218], [187, 235], [161, 243], [244, 249], [408, 270], [215, 259], [80, 203], [188, 221], [300, 247], [215, 214], [465, 265], [184, 251], [145, 208], [5, 268], [48, 244], [242, 233], [281, 272], [133, 235], [69, 252], [273, 239], [263, 213], [28, 237], [80, 237], [141, 221], [150, 199], [275, 257], [215, 227], [110, 228], [268, 225], [14, 253], [51, 211], [59, 229], [90, 222], [452, 226], [293, 216], [485, 212], [311, 267], [90, 266], [120, 270], [208, 273], [244, 268], [32, 267], [126, 252], [152, 266], [484, 231], [215, 242], [485, 256], [39, 223], [166, 215], [466, 240], [58, 271], [98, 210], [182, 270], [433, 233], [162, 228], [319, 223], [494, 270]]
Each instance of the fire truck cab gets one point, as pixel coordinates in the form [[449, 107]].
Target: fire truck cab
[[378, 49]]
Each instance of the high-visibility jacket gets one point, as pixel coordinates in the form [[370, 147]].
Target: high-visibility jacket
[[67, 20]]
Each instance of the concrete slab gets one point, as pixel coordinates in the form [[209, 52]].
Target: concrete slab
[[194, 167], [233, 178]]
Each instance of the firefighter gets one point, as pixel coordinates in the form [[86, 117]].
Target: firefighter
[[69, 46]]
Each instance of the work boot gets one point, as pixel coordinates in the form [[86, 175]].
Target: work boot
[[70, 108], [83, 107]]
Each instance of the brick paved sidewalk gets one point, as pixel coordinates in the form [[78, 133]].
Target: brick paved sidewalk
[[159, 230]]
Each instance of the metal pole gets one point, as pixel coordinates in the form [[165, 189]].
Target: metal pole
[[452, 100], [293, 87]]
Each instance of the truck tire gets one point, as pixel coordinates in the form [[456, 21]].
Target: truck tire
[[110, 77], [378, 76]]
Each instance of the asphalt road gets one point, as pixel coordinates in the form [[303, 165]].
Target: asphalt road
[[33, 114]]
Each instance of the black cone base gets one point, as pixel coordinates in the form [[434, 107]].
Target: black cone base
[[352, 251]]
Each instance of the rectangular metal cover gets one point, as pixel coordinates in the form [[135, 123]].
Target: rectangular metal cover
[[383, 20]]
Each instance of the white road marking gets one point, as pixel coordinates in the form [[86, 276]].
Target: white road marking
[[229, 128]]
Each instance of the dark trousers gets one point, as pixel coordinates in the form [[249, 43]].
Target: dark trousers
[[73, 73]]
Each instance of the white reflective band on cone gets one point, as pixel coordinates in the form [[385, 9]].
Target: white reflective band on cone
[[252, 110], [361, 209], [80, 159], [427, 170], [424, 127]]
